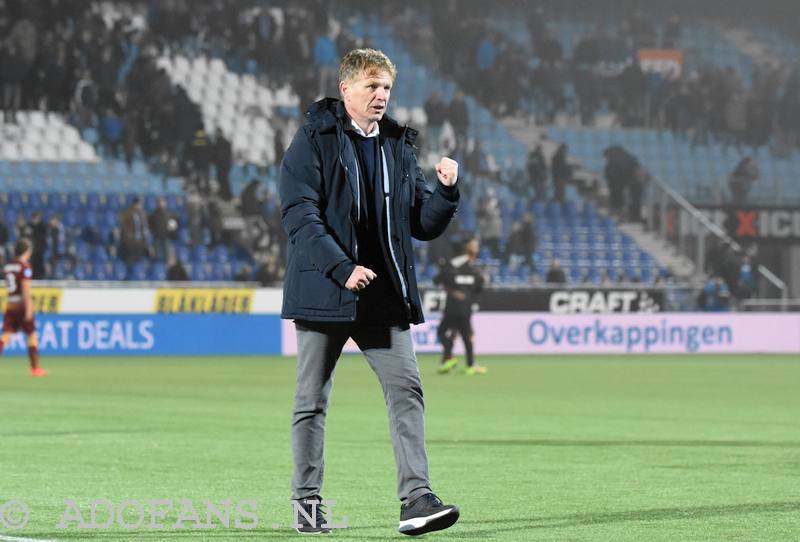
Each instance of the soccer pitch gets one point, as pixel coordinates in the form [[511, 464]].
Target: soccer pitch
[[541, 448]]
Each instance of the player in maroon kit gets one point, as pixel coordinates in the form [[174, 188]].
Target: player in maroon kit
[[19, 308]]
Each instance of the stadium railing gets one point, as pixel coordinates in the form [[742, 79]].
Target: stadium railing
[[690, 230]]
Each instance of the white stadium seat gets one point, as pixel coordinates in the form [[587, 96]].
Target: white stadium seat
[[237, 104]]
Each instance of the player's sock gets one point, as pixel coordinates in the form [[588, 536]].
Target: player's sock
[[33, 356]]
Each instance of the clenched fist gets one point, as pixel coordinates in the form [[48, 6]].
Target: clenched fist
[[360, 278], [447, 171]]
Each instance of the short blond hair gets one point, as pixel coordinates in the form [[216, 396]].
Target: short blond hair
[[371, 61]]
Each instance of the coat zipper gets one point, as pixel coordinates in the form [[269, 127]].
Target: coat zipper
[[358, 202], [387, 204]]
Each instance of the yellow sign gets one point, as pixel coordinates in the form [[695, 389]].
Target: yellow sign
[[204, 300], [45, 300]]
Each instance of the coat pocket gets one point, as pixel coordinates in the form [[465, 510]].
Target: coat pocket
[[317, 292]]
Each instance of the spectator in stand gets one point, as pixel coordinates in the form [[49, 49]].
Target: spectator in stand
[[458, 116], [14, 70], [555, 274], [24, 38], [250, 199], [548, 49], [270, 272], [621, 171], [176, 271], [244, 274], [730, 267], [134, 233], [521, 242], [105, 74], [742, 179], [490, 222], [36, 231], [85, 100], [537, 172], [636, 188], [57, 240], [215, 222], [198, 158], [746, 283], [714, 256], [159, 222], [562, 173], [58, 79], [3, 240], [326, 59], [480, 162], [111, 132], [715, 296], [130, 135], [436, 113], [195, 212], [223, 159], [672, 32]]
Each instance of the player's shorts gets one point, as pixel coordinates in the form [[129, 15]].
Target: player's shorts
[[14, 320], [456, 322]]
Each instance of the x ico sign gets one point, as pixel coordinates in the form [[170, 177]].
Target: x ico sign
[[756, 223]]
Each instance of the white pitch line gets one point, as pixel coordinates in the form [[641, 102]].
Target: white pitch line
[[21, 539]]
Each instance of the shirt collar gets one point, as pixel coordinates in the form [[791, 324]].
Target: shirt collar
[[360, 132]]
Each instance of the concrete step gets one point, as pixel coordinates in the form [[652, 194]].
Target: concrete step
[[662, 251]]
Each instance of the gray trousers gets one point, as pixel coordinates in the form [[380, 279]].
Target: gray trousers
[[390, 353]]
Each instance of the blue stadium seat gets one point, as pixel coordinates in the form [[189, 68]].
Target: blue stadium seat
[[84, 271], [100, 254], [93, 201], [109, 219], [200, 254], [182, 253], [199, 273], [220, 254], [100, 272], [158, 271], [138, 271], [150, 203], [220, 271], [119, 270]]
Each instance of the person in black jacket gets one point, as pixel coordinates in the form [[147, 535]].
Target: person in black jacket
[[463, 282], [352, 196], [223, 159]]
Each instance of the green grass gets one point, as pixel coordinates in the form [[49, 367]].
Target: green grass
[[543, 448]]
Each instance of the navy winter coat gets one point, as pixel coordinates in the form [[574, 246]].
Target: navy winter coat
[[319, 188]]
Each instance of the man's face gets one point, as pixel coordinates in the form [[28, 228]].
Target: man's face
[[367, 96]]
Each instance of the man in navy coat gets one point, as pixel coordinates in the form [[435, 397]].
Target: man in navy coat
[[352, 197]]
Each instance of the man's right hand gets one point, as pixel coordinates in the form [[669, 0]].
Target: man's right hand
[[360, 278]]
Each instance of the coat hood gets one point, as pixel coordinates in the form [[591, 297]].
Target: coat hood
[[327, 112]]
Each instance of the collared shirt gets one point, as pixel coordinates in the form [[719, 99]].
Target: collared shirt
[[359, 131]]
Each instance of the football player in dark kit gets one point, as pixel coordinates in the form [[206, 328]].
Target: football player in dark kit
[[19, 308], [463, 282]]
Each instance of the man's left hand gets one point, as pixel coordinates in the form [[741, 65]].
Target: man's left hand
[[447, 171]]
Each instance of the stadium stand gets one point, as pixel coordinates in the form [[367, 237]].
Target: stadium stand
[[151, 92]]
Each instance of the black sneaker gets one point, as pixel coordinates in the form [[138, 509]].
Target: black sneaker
[[309, 504], [426, 514]]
